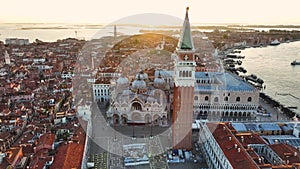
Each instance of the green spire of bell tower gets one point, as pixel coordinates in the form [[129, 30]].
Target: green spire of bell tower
[[186, 41]]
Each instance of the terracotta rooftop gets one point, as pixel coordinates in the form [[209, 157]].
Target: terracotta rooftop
[[286, 152], [60, 157], [46, 139], [25, 138], [39, 159], [249, 138], [12, 154], [27, 149], [69, 155], [103, 80], [5, 135], [232, 148]]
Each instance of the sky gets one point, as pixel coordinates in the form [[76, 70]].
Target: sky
[[107, 11]]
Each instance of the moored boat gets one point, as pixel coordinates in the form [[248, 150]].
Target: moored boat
[[295, 62], [275, 42]]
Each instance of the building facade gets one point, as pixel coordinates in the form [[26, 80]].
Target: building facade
[[225, 95], [213, 154], [16, 41], [102, 85], [140, 102]]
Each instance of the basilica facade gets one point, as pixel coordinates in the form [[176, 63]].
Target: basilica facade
[[139, 102]]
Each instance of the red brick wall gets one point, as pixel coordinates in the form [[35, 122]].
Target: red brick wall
[[182, 117]]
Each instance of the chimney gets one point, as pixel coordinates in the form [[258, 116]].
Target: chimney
[[295, 153], [242, 138], [239, 150], [229, 138], [235, 146], [259, 160]]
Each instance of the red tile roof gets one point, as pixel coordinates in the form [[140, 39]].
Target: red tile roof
[[39, 159], [249, 138], [69, 155], [27, 149], [47, 139], [13, 154], [230, 146], [286, 152], [24, 139], [280, 167]]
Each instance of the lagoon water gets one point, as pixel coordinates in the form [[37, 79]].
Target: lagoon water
[[272, 64], [45, 32], [53, 32]]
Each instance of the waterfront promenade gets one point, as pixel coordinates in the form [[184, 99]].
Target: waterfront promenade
[[276, 114]]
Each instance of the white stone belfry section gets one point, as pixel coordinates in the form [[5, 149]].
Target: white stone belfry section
[[6, 58]]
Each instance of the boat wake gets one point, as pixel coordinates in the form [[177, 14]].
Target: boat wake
[[287, 94]]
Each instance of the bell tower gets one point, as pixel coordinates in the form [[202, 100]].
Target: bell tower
[[182, 116], [6, 58]]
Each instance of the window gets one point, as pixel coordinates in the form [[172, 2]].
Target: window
[[206, 98], [136, 106], [216, 99], [226, 99], [238, 99], [196, 98], [183, 73], [249, 99]]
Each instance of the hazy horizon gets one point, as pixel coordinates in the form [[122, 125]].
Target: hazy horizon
[[179, 25], [254, 12]]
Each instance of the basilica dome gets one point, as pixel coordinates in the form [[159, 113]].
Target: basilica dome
[[159, 81], [139, 84], [142, 75], [122, 81]]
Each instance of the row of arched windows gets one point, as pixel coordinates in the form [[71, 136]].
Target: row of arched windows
[[216, 99], [226, 107], [204, 81], [185, 73], [221, 113], [101, 92]]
